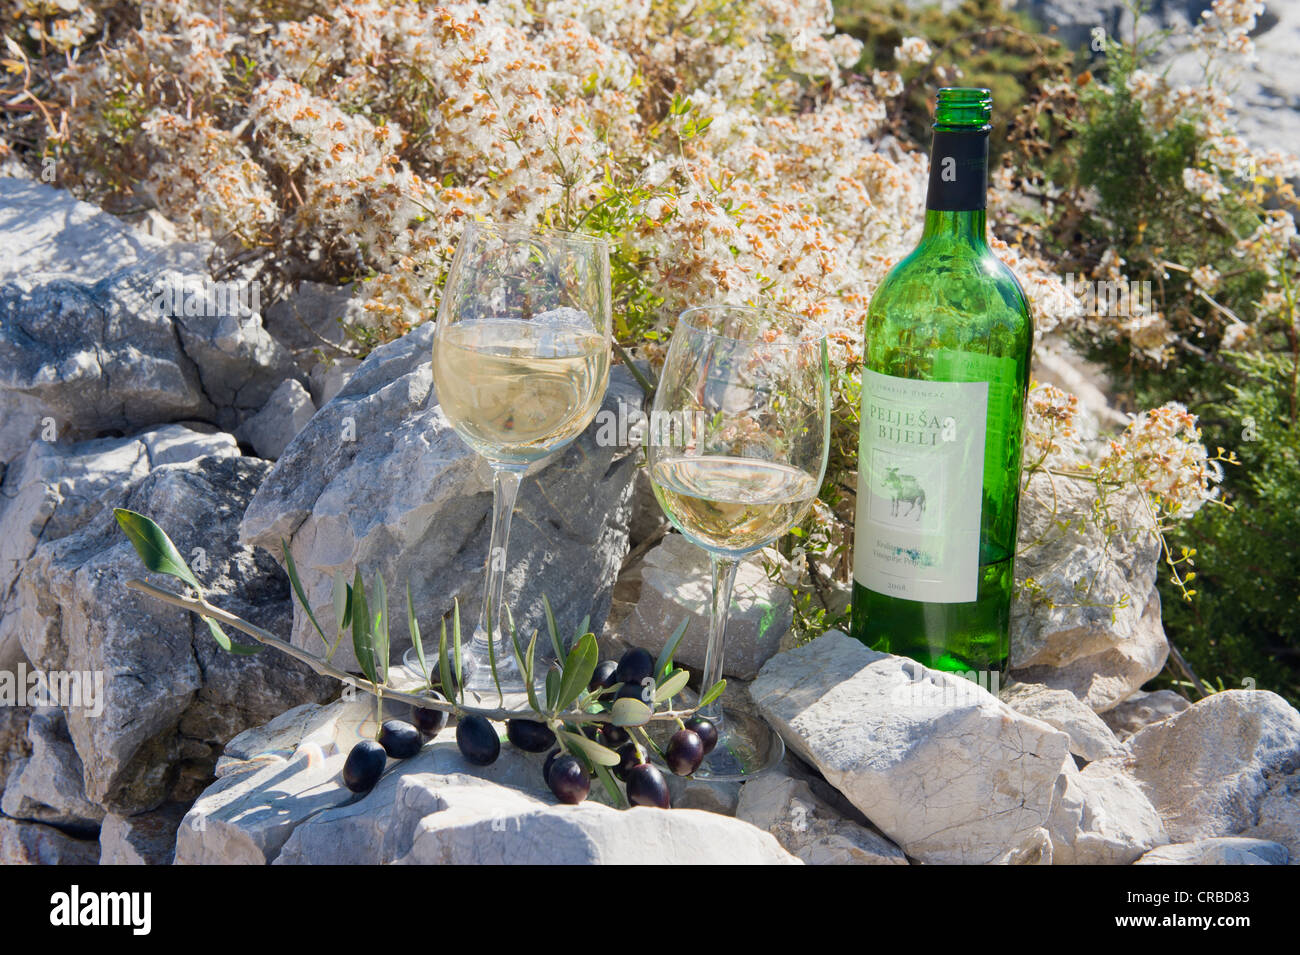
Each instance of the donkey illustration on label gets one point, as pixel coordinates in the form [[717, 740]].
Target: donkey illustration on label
[[904, 490]]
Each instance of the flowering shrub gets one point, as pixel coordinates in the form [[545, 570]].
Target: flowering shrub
[[730, 151]]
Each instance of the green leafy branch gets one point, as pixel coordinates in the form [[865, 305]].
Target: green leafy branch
[[568, 702]]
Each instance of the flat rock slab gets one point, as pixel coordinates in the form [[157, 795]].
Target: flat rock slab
[[1224, 851], [286, 804], [33, 843], [1090, 738], [940, 766], [1227, 766], [809, 827]]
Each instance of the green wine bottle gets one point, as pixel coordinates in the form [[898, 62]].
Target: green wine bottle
[[948, 337]]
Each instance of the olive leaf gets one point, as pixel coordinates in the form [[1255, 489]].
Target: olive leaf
[[578, 669], [160, 555], [492, 654], [606, 780], [292, 570], [598, 754], [382, 644], [444, 667], [342, 595], [665, 661], [672, 686], [629, 711], [554, 677], [363, 643], [153, 545], [413, 625], [455, 632], [713, 693], [552, 629]]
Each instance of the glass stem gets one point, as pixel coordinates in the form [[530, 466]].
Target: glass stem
[[724, 578], [505, 488]]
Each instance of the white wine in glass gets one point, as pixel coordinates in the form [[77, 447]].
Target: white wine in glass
[[732, 504], [517, 390], [520, 366], [754, 383]]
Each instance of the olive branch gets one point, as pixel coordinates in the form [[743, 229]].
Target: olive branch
[[571, 697]]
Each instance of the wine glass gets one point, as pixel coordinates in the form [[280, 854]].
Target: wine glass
[[520, 366], [737, 446]]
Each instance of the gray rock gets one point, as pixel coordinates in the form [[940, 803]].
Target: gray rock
[[808, 827], [171, 695], [285, 413], [50, 233], [145, 839], [1103, 679], [647, 515], [1101, 817], [55, 489], [1090, 738], [940, 766], [676, 585], [328, 378], [502, 825], [47, 786], [14, 746], [33, 843], [105, 357], [1223, 851], [1226, 766], [1142, 709], [285, 803], [1057, 363], [379, 480], [1090, 620], [311, 320]]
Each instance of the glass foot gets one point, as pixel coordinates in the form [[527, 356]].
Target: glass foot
[[476, 667], [747, 746]]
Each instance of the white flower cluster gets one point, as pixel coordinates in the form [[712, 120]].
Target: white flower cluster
[[1161, 453]]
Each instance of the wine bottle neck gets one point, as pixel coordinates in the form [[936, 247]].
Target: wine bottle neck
[[967, 224], [954, 205]]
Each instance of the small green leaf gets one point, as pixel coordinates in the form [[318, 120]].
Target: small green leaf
[[672, 686], [362, 639], [455, 633], [578, 669], [713, 693], [292, 570], [600, 755], [528, 674], [553, 678], [630, 711], [492, 660], [381, 628], [223, 641], [665, 661], [153, 545], [342, 595], [606, 780], [444, 666], [413, 625], [552, 629]]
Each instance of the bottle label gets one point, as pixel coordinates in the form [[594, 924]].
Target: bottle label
[[958, 171], [920, 488]]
